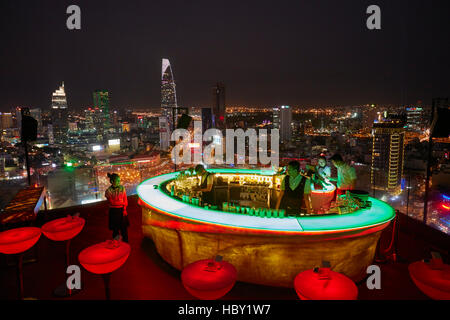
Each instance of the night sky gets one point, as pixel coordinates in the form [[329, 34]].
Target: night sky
[[267, 52]]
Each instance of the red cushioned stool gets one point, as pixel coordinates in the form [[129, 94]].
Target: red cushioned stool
[[209, 279], [432, 278], [17, 241], [324, 284], [104, 258], [64, 229]]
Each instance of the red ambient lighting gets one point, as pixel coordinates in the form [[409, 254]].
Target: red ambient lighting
[[18, 240], [432, 279], [104, 257], [324, 285], [321, 199], [64, 228], [209, 279]]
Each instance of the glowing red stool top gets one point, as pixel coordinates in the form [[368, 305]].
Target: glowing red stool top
[[104, 257], [209, 279], [64, 228], [433, 278], [324, 285], [18, 240]]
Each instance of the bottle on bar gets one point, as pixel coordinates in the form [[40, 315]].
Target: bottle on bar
[[275, 213]]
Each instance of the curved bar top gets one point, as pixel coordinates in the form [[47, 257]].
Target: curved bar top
[[152, 196], [268, 251]]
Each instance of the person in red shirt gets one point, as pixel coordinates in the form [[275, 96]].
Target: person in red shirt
[[118, 202]]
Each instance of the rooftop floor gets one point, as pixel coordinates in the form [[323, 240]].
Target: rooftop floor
[[146, 276]]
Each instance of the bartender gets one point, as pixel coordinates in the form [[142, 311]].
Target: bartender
[[206, 181], [293, 187], [346, 175]]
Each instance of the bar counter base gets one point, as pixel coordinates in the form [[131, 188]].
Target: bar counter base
[[265, 259]]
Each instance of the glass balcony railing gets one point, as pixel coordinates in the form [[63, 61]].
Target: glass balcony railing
[[77, 186]]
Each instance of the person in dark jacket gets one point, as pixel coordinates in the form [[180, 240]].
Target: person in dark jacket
[[206, 181], [292, 196]]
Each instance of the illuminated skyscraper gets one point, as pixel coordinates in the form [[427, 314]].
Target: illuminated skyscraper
[[59, 115], [219, 107], [415, 118], [387, 154], [6, 120], [89, 115], [169, 109], [164, 133], [168, 93], [282, 120], [101, 102]]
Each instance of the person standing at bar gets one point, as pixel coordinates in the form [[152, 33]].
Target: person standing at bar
[[292, 196], [206, 181], [346, 175], [118, 202], [323, 172]]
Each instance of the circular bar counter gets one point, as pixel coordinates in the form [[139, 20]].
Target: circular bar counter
[[267, 251]]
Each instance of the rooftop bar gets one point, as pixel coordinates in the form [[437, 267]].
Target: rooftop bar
[[266, 246]]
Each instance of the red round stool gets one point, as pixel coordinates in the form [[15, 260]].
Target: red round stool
[[433, 279], [209, 279], [17, 241], [324, 284], [64, 229], [104, 258]]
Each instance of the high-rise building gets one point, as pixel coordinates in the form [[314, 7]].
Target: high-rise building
[[369, 115], [219, 107], [101, 102], [168, 94], [207, 119], [415, 118], [282, 120], [59, 115], [36, 114], [164, 133], [89, 115], [115, 118], [388, 154], [98, 120], [169, 108], [18, 118], [6, 120]]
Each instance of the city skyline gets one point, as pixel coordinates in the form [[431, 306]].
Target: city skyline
[[293, 63]]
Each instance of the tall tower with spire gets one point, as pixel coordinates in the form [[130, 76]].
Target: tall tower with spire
[[169, 107]]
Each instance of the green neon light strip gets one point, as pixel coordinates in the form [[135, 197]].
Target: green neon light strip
[[379, 213]]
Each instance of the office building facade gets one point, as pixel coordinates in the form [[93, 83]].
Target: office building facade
[[101, 103], [282, 120], [219, 106], [388, 155], [59, 115]]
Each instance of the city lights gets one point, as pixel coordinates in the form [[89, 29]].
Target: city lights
[[222, 150]]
